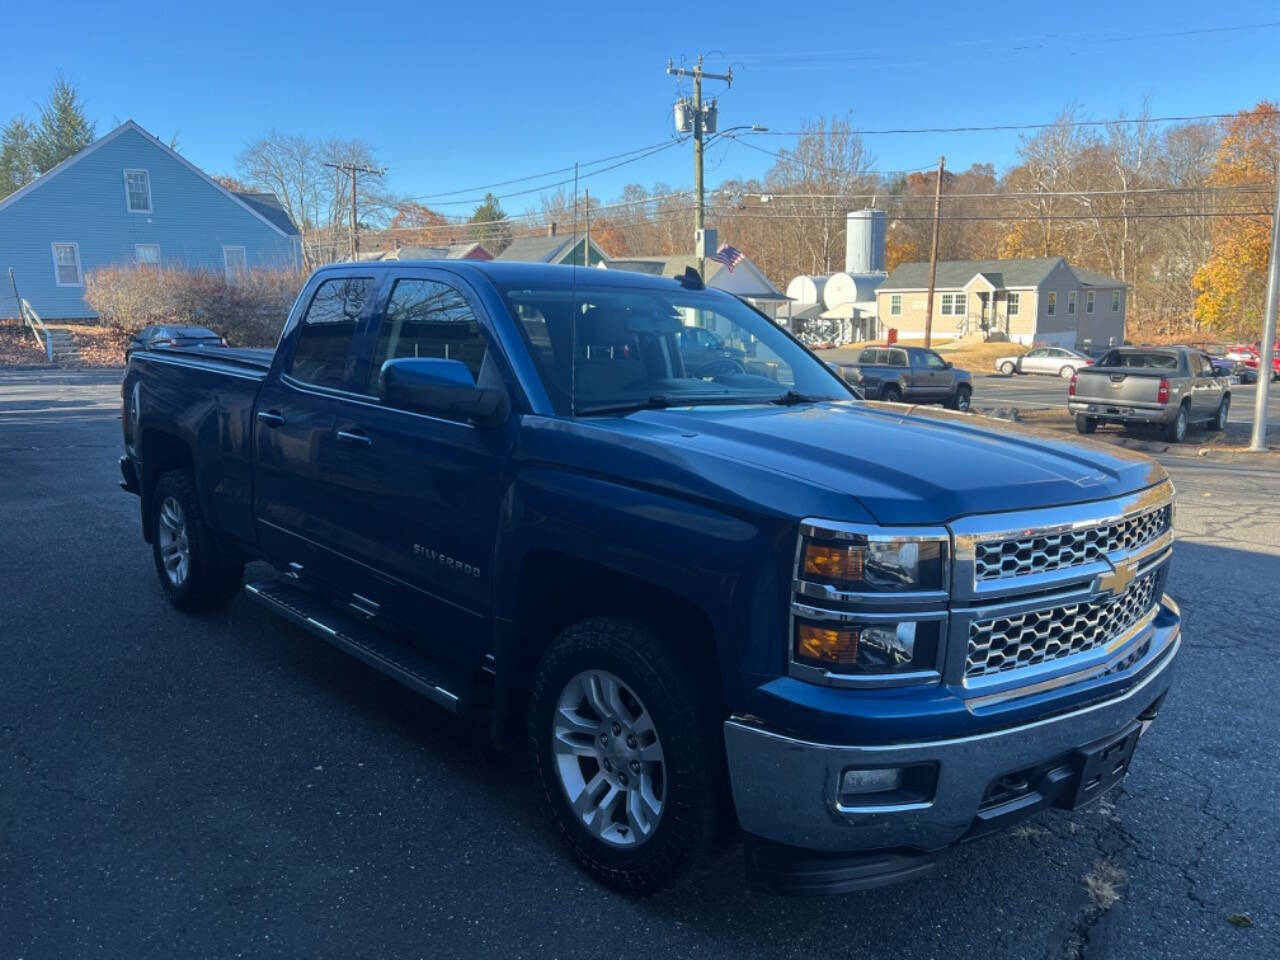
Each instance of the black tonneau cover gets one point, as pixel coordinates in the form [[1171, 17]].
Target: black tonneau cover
[[258, 358]]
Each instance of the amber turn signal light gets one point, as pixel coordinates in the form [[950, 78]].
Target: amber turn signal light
[[826, 646], [837, 563]]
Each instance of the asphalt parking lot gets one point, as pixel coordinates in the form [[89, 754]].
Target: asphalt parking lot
[[229, 786]]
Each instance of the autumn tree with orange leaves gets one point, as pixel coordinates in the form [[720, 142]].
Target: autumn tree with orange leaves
[[1230, 286]]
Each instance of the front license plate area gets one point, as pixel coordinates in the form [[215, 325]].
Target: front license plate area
[[1102, 765]]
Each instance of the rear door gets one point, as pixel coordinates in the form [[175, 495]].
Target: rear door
[[297, 504], [421, 493]]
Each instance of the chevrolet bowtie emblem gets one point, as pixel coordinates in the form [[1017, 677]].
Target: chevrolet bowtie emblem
[[1118, 580]]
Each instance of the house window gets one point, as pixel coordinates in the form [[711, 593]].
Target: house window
[[137, 191], [1071, 301], [1051, 303], [147, 254], [895, 305], [66, 265], [235, 262], [1088, 302], [1115, 301], [1012, 306], [946, 304], [959, 305]]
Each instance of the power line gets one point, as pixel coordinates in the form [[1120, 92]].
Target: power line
[[1024, 126], [536, 176]]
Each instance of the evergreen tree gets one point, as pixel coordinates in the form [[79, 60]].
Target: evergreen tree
[[491, 225], [64, 128], [17, 166]]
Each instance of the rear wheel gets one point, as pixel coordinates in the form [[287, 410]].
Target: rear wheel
[[193, 575], [1067, 372], [891, 394], [1175, 431], [626, 746], [1219, 421], [1008, 368], [960, 399], [1086, 424]]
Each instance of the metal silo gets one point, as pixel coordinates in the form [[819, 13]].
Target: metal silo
[[864, 241]]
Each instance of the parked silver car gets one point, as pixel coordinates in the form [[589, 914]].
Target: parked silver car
[[1059, 361]]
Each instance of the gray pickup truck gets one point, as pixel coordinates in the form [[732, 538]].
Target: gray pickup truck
[[1168, 387], [909, 374]]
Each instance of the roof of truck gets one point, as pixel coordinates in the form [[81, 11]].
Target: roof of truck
[[513, 272]]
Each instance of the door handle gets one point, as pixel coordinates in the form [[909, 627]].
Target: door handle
[[355, 436], [272, 418]]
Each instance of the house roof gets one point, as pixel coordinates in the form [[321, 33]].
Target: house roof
[[1092, 278], [745, 280], [155, 141], [954, 274], [543, 249], [268, 205]]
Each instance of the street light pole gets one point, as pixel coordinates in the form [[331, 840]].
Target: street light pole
[[1259, 439], [699, 129]]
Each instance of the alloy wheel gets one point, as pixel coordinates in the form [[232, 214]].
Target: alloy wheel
[[609, 759], [175, 546]]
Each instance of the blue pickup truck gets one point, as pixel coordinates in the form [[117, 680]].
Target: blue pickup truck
[[732, 603]]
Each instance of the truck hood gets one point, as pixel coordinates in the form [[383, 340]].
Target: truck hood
[[903, 464]]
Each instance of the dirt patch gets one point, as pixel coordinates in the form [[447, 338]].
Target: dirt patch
[[19, 348]]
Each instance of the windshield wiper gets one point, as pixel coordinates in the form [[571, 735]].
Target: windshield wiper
[[792, 397], [661, 401]]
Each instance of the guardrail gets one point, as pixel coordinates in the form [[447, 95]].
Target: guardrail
[[32, 321]]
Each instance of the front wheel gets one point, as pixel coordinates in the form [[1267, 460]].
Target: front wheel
[[1219, 421], [192, 574], [961, 398], [626, 746], [1008, 368]]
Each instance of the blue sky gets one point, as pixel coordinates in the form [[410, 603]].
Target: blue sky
[[461, 94]]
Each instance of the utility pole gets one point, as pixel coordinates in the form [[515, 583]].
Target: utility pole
[[1259, 439], [352, 169], [586, 242], [699, 129], [933, 255]]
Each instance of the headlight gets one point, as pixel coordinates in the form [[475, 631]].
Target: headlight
[[873, 563], [870, 603]]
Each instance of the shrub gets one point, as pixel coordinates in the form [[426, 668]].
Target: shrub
[[249, 311]]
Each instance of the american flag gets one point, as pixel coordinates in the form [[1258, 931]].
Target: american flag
[[729, 256]]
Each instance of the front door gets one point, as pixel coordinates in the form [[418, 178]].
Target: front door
[[295, 498], [423, 491]]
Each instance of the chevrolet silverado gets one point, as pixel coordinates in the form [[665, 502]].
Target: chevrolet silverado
[[728, 603]]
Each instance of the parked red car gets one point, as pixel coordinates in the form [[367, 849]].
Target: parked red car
[[1250, 355]]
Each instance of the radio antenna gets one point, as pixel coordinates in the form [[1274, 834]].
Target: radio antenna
[[573, 307]]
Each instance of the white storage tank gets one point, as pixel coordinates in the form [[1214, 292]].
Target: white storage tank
[[807, 288]]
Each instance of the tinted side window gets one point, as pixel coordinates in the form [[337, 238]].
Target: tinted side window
[[897, 358], [324, 336], [867, 357], [427, 318], [934, 361]]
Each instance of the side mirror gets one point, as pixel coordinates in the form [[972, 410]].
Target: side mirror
[[947, 365], [442, 387]]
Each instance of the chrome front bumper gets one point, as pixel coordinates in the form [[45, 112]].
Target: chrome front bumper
[[785, 789]]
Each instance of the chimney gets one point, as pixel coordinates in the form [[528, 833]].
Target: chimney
[[551, 229]]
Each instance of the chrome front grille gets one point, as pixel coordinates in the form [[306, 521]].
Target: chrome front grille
[[1007, 643], [1019, 556]]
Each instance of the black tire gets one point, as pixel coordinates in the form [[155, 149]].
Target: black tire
[[891, 394], [692, 822], [209, 581], [1219, 421], [1086, 424], [1009, 369], [1067, 372], [1175, 431], [960, 399]]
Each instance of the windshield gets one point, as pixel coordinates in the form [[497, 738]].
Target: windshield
[[635, 348]]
